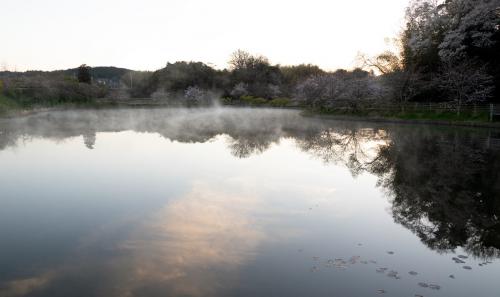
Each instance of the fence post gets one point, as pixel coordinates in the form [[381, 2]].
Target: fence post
[[489, 139], [491, 112]]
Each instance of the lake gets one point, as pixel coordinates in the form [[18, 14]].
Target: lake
[[245, 202]]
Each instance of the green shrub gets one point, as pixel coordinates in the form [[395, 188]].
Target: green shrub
[[6, 104], [226, 100], [279, 102], [253, 101], [247, 98]]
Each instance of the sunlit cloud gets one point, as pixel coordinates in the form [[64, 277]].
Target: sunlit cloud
[[25, 286], [178, 247]]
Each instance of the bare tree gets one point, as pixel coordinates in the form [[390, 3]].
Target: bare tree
[[239, 59], [383, 63]]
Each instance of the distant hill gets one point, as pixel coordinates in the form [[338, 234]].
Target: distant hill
[[100, 72]]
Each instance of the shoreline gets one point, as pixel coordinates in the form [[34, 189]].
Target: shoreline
[[403, 121], [304, 112]]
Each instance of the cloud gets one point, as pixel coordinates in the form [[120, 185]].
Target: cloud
[[179, 248], [22, 287]]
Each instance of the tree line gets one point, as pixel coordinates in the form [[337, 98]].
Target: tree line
[[446, 52]]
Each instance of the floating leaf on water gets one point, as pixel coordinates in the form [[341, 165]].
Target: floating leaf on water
[[392, 273], [354, 259], [467, 267], [340, 264], [462, 257], [390, 252], [434, 287], [423, 285], [413, 272], [457, 260], [452, 276]]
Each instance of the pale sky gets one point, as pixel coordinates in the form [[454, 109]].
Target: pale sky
[[146, 34]]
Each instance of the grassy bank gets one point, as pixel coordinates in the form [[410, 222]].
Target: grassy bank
[[15, 107], [7, 105], [257, 102], [445, 116], [465, 118]]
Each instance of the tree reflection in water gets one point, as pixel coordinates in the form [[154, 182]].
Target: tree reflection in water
[[445, 188], [444, 183]]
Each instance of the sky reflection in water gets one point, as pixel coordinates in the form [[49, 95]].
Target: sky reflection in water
[[236, 202]]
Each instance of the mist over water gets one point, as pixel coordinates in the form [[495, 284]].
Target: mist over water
[[245, 202]]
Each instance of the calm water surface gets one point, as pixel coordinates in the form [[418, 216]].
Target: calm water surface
[[238, 202]]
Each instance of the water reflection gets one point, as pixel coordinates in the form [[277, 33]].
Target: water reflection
[[445, 188], [355, 148], [193, 246], [24, 287], [443, 184], [190, 246], [89, 139]]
